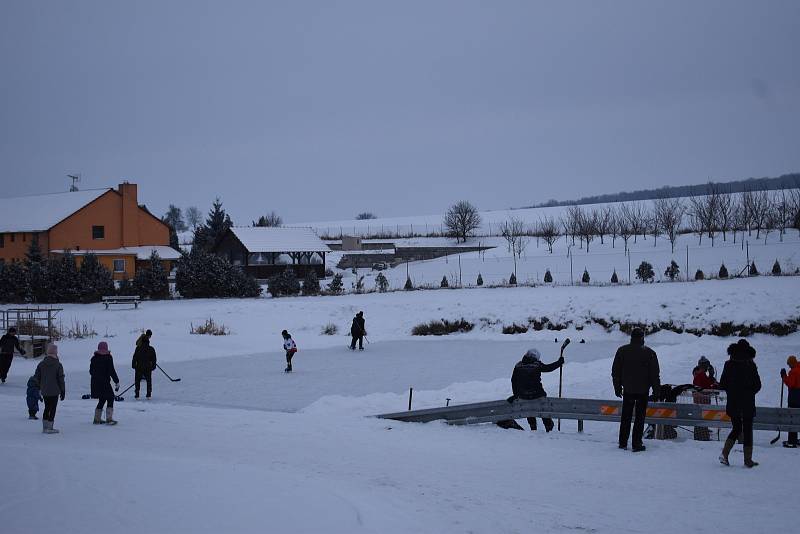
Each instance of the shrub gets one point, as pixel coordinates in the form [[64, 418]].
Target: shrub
[[151, 281], [512, 280], [13, 283], [336, 286], [95, 280], [330, 329], [442, 327], [381, 283], [201, 274], [80, 330], [210, 328], [585, 278], [753, 269], [444, 282], [311, 283], [723, 271], [548, 278], [359, 285], [285, 283], [699, 275], [614, 277], [409, 286], [644, 272], [515, 329], [776, 268], [125, 288], [480, 280], [672, 271], [328, 272]]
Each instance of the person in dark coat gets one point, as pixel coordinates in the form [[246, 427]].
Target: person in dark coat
[[634, 373], [49, 376], [102, 371], [741, 382], [146, 335], [358, 331], [32, 397], [143, 363], [526, 384], [792, 381], [8, 343]]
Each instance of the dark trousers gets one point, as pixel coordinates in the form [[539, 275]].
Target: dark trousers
[[793, 435], [147, 376], [5, 364], [50, 404], [360, 340], [634, 406], [102, 400], [289, 356], [742, 426]]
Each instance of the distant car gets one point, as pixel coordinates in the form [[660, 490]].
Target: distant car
[[380, 266]]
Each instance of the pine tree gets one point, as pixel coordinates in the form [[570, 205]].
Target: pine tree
[[381, 283], [444, 282], [152, 281], [699, 275], [512, 280], [409, 286], [672, 271], [614, 277], [585, 278], [13, 283], [480, 280], [95, 280], [63, 280], [645, 272], [217, 223], [311, 283], [776, 268], [753, 269], [548, 278], [37, 287], [336, 286], [723, 271]]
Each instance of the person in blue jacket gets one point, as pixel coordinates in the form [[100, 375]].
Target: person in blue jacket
[[33, 396]]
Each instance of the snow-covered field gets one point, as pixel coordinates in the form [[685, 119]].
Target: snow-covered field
[[239, 446]]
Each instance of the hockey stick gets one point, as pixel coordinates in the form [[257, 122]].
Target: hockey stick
[[561, 375], [117, 397], [776, 438], [165, 374]]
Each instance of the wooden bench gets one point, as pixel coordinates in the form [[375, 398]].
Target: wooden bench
[[122, 300]]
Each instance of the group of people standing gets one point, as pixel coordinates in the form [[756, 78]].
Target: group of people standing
[[48, 385]]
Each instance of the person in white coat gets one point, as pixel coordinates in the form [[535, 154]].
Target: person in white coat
[[290, 347]]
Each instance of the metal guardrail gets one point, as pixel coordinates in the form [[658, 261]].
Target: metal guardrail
[[658, 413]]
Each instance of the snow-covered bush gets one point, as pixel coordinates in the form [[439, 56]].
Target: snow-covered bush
[[723, 271], [96, 280], [753, 269], [614, 277], [13, 282], [480, 280], [409, 286], [444, 282], [548, 278], [201, 274], [284, 284], [672, 271], [209, 328], [644, 272], [512, 280], [442, 327], [151, 281], [311, 283], [515, 329], [585, 278], [336, 285], [699, 275], [381, 283], [330, 329], [776, 268]]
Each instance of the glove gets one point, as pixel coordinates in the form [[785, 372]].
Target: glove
[[618, 392], [116, 386], [22, 352], [62, 396], [783, 373], [511, 399]]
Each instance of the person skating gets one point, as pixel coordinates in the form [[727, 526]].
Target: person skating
[[101, 369], [8, 343], [291, 348], [32, 397], [526, 384], [741, 382], [358, 331], [634, 372], [143, 363], [792, 381], [49, 376]]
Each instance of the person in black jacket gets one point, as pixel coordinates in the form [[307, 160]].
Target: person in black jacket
[[634, 372], [358, 331], [741, 382], [102, 371], [8, 343], [526, 383], [143, 363]]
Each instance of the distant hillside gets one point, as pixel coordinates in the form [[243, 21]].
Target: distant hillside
[[736, 186]]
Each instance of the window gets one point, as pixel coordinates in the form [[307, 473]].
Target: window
[[24, 237], [2, 240], [99, 232], [119, 265]]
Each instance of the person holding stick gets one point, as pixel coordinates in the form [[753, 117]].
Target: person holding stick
[[526, 384], [792, 382]]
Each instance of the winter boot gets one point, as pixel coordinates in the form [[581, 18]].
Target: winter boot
[[748, 457], [47, 427], [787, 444], [98, 416], [110, 416], [726, 450], [33, 416]]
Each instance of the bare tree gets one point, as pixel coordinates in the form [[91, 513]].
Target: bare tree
[[794, 207], [269, 220], [549, 231], [725, 213], [193, 216], [697, 216], [624, 227], [668, 213], [781, 204], [604, 218], [365, 216], [587, 226], [613, 224], [760, 206], [652, 222], [515, 232], [571, 221], [635, 218], [462, 219]]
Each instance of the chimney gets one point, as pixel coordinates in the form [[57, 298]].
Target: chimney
[[130, 215]]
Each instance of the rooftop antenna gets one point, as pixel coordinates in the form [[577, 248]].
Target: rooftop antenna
[[75, 179]]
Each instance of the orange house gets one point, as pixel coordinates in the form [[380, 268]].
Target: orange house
[[109, 223]]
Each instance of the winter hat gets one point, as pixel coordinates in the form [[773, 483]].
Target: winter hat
[[102, 348], [52, 350], [745, 348], [637, 333], [531, 356], [12, 330], [791, 361], [285, 334], [148, 333]]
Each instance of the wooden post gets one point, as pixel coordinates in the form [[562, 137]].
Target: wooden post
[[410, 396]]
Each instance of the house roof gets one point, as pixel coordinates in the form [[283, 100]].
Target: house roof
[[38, 213], [260, 239], [141, 253]]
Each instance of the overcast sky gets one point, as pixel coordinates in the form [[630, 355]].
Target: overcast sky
[[319, 110]]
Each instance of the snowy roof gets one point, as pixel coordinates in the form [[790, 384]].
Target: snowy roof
[[37, 213], [260, 239], [141, 253]]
